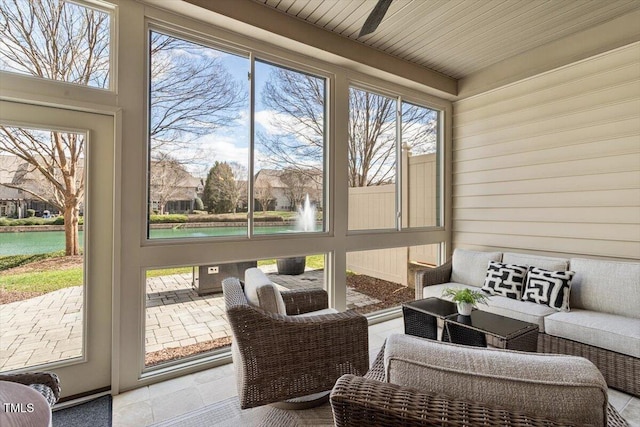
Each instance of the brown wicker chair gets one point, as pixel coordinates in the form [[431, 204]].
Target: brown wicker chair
[[46, 383], [280, 357], [370, 401]]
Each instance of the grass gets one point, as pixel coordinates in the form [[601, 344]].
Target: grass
[[12, 261], [42, 281], [53, 280], [168, 271]]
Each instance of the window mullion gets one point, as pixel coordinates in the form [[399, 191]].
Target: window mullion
[[251, 177], [399, 168]]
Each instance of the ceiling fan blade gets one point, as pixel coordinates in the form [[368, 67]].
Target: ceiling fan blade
[[375, 17]]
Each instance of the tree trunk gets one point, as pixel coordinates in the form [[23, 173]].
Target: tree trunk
[[72, 244]]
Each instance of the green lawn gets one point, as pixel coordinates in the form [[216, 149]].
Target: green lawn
[[49, 281], [42, 281]]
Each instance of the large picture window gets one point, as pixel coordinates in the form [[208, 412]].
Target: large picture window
[[209, 176]]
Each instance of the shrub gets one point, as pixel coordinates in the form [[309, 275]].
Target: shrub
[[31, 213], [167, 219], [198, 204]]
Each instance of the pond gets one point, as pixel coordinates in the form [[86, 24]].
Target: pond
[[37, 242]]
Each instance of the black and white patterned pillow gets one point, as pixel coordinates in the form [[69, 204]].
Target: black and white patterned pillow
[[550, 288], [505, 279]]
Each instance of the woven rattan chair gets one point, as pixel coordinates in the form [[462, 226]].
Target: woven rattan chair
[[46, 383], [281, 357], [372, 402]]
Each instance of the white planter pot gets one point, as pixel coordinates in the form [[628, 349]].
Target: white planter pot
[[464, 308]]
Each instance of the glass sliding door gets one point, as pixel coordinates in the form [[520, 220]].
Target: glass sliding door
[[55, 274]]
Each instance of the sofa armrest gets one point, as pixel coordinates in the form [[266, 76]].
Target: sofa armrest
[[358, 401], [433, 276], [300, 301]]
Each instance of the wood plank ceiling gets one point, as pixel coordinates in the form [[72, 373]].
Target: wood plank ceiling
[[457, 37]]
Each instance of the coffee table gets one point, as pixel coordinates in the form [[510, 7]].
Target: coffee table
[[421, 317], [481, 328]]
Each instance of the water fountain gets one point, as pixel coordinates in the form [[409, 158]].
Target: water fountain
[[306, 216], [306, 221]]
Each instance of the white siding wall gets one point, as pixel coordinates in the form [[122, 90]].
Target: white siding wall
[[551, 164]]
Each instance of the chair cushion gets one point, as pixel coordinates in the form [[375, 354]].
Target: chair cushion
[[318, 312], [550, 288], [606, 286], [470, 267], [506, 280], [545, 262], [261, 292], [566, 387], [516, 309], [609, 331]]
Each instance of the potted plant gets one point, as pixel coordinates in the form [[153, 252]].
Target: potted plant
[[465, 298]]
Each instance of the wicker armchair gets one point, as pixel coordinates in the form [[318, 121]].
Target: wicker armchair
[[46, 383], [369, 400], [279, 357]]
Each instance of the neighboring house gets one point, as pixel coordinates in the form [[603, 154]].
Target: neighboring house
[[173, 189], [14, 202], [268, 181], [273, 181]]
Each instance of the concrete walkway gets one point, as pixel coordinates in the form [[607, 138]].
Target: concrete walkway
[[48, 328]]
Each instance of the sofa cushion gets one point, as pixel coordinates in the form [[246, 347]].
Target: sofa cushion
[[606, 286], [550, 288], [506, 280], [545, 262], [261, 292], [516, 309], [609, 331], [470, 267], [565, 387]]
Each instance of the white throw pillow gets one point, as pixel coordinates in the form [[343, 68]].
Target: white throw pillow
[[470, 267], [269, 298]]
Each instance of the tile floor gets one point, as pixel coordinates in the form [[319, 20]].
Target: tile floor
[[157, 402]]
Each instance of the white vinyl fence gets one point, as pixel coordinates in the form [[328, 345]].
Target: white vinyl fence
[[373, 208]]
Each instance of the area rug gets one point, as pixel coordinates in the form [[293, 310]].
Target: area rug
[[227, 413], [95, 413]]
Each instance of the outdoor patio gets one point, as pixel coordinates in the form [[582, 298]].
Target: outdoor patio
[[48, 328]]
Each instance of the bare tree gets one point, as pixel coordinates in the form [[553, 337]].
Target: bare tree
[[169, 181], [297, 101], [58, 158], [238, 194], [263, 193], [297, 185], [192, 94]]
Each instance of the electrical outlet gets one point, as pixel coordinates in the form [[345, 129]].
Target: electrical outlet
[[213, 270]]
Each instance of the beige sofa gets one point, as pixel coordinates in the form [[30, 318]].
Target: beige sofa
[[603, 321]]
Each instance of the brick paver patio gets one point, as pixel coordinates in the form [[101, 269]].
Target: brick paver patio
[[49, 327]]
